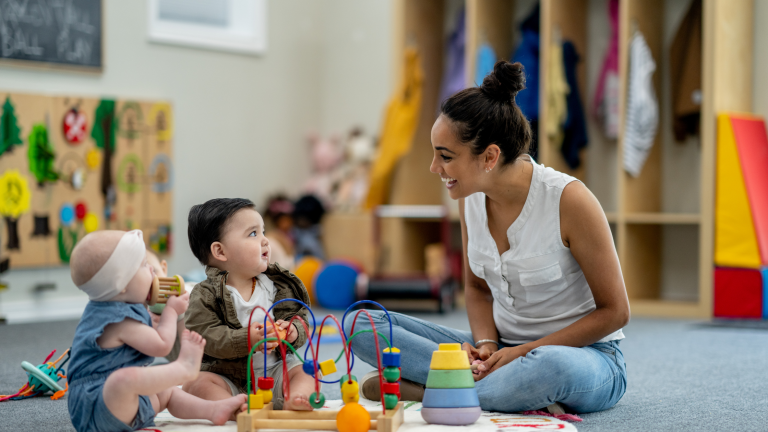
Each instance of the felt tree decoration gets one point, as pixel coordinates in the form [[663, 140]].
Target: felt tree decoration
[[41, 155], [104, 131], [9, 128], [14, 201]]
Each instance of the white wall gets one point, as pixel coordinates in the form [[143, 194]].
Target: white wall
[[356, 61], [240, 121]]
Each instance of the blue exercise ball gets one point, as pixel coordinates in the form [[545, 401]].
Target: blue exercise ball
[[335, 285]]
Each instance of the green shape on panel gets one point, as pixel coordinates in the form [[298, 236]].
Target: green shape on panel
[[10, 132], [130, 173], [448, 379], [104, 124], [103, 132], [41, 155], [130, 120], [67, 241]]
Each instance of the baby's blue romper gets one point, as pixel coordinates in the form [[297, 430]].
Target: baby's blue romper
[[91, 365]]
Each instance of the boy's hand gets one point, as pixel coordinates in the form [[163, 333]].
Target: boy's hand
[[257, 334], [292, 333], [178, 303]]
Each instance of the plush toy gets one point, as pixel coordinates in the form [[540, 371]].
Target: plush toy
[[360, 151], [326, 156]]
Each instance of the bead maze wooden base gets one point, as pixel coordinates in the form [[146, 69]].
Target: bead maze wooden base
[[267, 418]]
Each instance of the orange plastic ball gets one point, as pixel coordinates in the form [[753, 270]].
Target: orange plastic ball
[[353, 418]]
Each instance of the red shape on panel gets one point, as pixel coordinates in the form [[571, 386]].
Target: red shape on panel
[[81, 210], [752, 144], [738, 293]]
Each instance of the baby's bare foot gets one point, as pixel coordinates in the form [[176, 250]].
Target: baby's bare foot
[[191, 353], [227, 409], [298, 403]]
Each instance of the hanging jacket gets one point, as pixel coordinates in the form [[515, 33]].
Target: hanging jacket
[[575, 128], [486, 60], [556, 94], [685, 71], [606, 102], [454, 77], [527, 53], [642, 119]]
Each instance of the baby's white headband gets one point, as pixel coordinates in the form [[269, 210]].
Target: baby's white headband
[[119, 269]]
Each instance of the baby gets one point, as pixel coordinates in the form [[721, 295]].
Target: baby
[[227, 236], [109, 389]]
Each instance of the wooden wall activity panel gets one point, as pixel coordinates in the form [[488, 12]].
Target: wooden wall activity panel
[[82, 164]]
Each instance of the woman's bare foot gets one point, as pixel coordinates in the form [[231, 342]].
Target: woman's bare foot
[[227, 409], [191, 353], [297, 403]]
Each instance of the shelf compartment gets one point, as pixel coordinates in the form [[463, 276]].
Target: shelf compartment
[[663, 218], [668, 309]]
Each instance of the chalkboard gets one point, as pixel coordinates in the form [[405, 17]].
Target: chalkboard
[[58, 32]]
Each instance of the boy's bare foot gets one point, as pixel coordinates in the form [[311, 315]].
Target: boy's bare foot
[[227, 409], [191, 353], [298, 403]]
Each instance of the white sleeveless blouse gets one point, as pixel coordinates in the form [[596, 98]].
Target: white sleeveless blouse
[[538, 287]]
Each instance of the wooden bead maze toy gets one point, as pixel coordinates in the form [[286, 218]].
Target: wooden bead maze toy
[[352, 417]]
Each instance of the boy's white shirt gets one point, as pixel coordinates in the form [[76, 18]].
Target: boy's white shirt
[[263, 295]]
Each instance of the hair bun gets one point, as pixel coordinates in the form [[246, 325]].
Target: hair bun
[[505, 81]]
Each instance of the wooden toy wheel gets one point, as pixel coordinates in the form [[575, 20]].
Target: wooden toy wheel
[[154, 292]]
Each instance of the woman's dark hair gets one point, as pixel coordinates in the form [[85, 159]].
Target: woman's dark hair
[[206, 223], [488, 114]]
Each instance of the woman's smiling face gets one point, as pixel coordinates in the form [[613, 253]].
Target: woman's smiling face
[[459, 169]]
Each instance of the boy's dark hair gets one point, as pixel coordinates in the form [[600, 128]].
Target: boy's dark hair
[[206, 223]]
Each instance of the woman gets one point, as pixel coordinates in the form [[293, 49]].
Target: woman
[[544, 292]]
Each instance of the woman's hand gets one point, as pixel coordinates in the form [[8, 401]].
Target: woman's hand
[[479, 355], [499, 359], [482, 353]]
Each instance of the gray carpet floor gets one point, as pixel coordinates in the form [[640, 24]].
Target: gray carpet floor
[[682, 376]]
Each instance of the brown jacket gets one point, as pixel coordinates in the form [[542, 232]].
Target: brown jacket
[[212, 314]]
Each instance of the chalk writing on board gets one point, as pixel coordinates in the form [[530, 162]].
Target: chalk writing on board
[[54, 31]]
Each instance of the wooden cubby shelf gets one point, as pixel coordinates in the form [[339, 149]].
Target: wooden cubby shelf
[[662, 220]]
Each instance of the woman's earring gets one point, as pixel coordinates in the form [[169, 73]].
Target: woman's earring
[[488, 170]]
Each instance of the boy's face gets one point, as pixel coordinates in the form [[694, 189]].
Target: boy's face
[[138, 288], [244, 245]]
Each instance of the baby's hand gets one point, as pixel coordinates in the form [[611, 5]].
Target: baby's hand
[[257, 334], [291, 333], [178, 303], [155, 320]]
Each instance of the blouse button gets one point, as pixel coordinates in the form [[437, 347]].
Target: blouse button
[[504, 278]]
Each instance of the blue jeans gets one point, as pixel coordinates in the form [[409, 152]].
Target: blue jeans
[[588, 379]]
